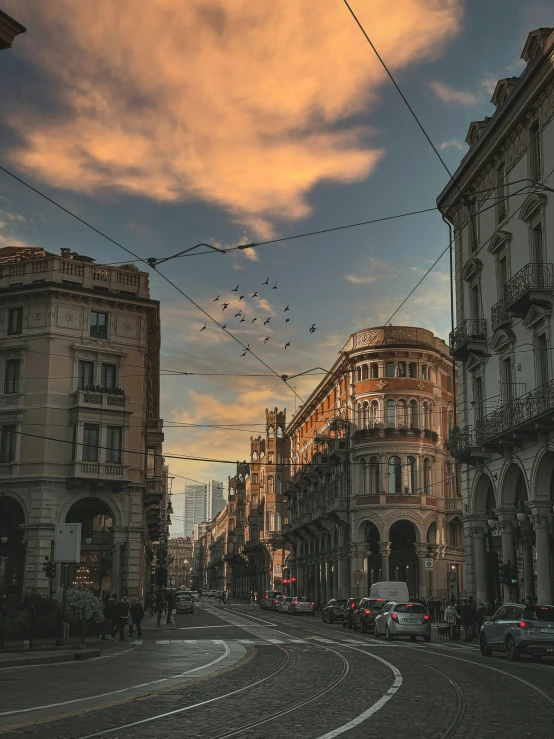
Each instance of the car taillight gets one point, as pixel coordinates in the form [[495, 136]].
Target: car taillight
[[295, 603], [266, 597], [313, 604], [367, 611], [425, 617], [394, 616], [525, 625], [352, 605]]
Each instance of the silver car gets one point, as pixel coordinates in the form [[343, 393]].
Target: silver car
[[184, 604], [517, 629], [283, 606], [302, 604], [403, 619]]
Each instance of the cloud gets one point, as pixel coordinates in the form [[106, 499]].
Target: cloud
[[244, 105], [448, 94], [374, 270], [452, 144]]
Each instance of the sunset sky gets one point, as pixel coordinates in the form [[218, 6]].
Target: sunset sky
[[168, 123]]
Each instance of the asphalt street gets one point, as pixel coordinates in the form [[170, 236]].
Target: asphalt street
[[239, 671]]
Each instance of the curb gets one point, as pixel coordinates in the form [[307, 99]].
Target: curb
[[50, 659]]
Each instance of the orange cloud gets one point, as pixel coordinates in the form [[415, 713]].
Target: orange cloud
[[230, 103]]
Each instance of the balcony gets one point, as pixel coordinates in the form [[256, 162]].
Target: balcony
[[154, 431], [469, 337], [101, 398], [520, 417], [499, 315], [273, 538], [464, 446], [99, 472], [287, 528], [453, 505], [337, 505], [532, 284]]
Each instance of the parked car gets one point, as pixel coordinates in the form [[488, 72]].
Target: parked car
[[283, 606], [193, 594], [363, 616], [274, 604], [266, 601], [351, 604], [205, 592], [184, 604], [403, 619], [517, 629], [390, 591], [302, 604], [333, 611], [213, 594]]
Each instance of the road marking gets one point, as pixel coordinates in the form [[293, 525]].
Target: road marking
[[322, 639], [121, 690], [186, 628], [275, 641]]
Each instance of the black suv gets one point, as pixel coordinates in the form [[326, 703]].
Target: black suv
[[363, 617], [348, 612]]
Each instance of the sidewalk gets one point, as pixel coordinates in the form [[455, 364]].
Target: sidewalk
[[47, 656]]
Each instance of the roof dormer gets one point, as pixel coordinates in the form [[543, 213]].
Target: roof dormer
[[534, 44], [503, 90], [476, 129]]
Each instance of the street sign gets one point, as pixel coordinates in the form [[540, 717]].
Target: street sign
[[429, 563], [67, 542], [358, 574]]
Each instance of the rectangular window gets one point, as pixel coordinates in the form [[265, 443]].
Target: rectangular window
[[535, 151], [98, 325], [374, 371], [114, 444], [501, 193], [475, 305], [7, 444], [537, 244], [507, 380], [389, 369], [541, 359], [74, 440], [150, 461], [91, 440], [401, 369], [472, 227], [15, 321], [478, 398], [412, 369], [86, 375], [109, 376], [11, 378], [254, 478], [502, 277]]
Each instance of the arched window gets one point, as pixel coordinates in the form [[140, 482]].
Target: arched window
[[391, 414], [277, 521], [414, 415], [423, 371], [374, 414], [389, 369], [279, 432], [426, 424], [395, 475], [254, 456], [362, 489], [374, 486], [358, 374], [426, 476], [364, 372], [401, 369], [374, 369], [412, 474], [365, 415], [270, 486], [270, 521], [402, 413], [412, 369], [271, 432], [449, 481]]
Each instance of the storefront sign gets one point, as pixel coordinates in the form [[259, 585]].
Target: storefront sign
[[90, 559]]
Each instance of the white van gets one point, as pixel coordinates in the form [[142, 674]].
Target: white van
[[385, 591]]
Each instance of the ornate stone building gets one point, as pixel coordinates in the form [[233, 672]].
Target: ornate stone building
[[80, 433], [372, 491], [9, 29], [179, 572], [502, 210]]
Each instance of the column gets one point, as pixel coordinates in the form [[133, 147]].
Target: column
[[323, 582], [384, 546], [116, 570], [434, 575], [330, 580], [542, 544], [528, 572], [344, 578], [507, 519], [480, 563], [421, 571], [316, 581], [335, 578]]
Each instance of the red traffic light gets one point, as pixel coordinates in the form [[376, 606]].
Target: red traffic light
[[293, 579]]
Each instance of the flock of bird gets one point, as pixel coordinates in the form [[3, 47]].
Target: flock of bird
[[242, 317]]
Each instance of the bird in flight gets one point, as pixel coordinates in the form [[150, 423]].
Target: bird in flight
[[215, 299], [254, 319], [313, 328], [255, 295], [238, 314], [242, 320], [287, 344], [203, 328], [266, 339], [241, 297], [225, 305], [236, 289], [287, 320], [267, 321], [286, 309], [266, 282], [274, 287]]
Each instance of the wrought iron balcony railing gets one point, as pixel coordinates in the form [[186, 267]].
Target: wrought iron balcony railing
[[499, 315], [517, 413], [531, 278], [469, 331]]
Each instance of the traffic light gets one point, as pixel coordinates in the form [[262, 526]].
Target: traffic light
[[49, 568], [293, 580], [513, 575]]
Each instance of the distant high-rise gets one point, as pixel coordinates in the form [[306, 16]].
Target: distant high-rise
[[195, 507], [215, 499]]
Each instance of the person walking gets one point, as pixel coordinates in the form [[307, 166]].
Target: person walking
[[452, 619], [160, 606], [124, 608], [137, 614], [229, 597], [170, 602], [442, 609], [466, 615], [481, 615], [152, 603], [112, 615], [473, 605]]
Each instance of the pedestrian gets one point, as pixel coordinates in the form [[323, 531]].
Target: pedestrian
[[452, 619], [152, 603], [170, 602], [466, 614], [112, 614], [442, 609], [160, 606], [229, 597], [481, 615], [137, 614], [221, 596], [473, 605], [255, 597], [529, 601], [251, 597], [489, 609], [124, 608]]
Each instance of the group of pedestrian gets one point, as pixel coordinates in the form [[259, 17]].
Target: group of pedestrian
[[121, 613], [164, 604], [224, 596], [253, 597]]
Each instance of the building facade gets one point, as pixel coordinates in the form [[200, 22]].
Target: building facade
[[80, 433], [502, 211], [195, 507], [179, 573], [372, 494], [9, 29], [215, 498]]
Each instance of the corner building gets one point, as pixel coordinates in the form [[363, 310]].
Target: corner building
[[502, 211], [372, 491]]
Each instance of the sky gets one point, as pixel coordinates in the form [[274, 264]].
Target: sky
[[225, 122]]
